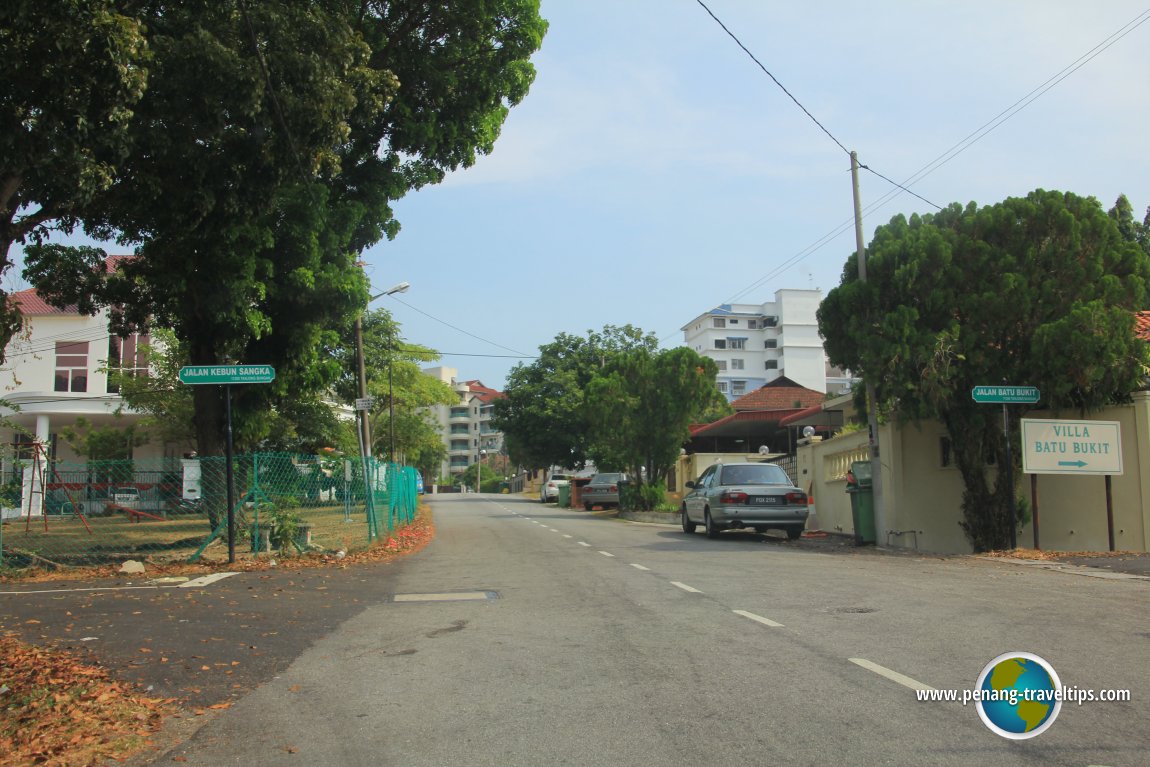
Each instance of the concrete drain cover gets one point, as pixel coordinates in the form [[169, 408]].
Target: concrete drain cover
[[448, 596]]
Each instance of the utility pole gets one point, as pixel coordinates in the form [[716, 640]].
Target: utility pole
[[872, 404]]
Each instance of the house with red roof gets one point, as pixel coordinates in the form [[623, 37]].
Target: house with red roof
[[55, 372], [757, 421]]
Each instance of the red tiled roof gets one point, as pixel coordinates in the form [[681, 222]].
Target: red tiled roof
[[1142, 325], [723, 425], [780, 394], [32, 304], [486, 394]]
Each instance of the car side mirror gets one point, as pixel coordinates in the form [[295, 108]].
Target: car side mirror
[[690, 484]]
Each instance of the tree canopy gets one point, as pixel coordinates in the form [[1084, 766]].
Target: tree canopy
[[263, 157], [612, 398], [1036, 290], [542, 415], [73, 75]]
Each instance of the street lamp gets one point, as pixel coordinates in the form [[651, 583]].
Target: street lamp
[[479, 471], [365, 424]]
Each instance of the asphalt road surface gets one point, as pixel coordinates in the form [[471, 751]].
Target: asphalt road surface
[[529, 635]]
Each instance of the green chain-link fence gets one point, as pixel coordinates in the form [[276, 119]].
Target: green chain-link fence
[[101, 512]]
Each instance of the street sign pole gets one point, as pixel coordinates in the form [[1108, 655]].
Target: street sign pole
[[231, 492], [1010, 479], [1007, 395], [226, 375]]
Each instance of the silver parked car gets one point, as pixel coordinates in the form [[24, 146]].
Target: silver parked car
[[739, 495], [602, 490]]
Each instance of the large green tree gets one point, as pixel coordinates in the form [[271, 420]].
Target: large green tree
[[1036, 290], [402, 393], [542, 415], [73, 73], [640, 405], [265, 155]]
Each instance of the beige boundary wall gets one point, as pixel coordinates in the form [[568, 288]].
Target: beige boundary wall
[[923, 497]]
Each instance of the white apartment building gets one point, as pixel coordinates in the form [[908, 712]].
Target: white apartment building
[[753, 344], [466, 427]]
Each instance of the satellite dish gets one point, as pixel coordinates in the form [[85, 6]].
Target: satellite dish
[[764, 450], [808, 431]]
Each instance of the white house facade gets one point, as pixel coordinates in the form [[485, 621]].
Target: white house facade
[[753, 344]]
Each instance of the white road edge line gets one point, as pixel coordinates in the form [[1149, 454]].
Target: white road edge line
[[685, 587], [606, 553], [894, 676], [640, 567], [759, 619]]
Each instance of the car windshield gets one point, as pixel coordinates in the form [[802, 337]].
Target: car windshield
[[605, 479], [559, 478], [754, 474]]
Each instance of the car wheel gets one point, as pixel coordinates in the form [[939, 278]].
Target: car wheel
[[688, 525], [712, 528], [794, 533], [588, 507]]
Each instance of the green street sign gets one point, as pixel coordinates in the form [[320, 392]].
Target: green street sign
[[227, 374], [1005, 395]]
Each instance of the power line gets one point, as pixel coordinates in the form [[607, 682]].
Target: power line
[[950, 153], [768, 73], [461, 330]]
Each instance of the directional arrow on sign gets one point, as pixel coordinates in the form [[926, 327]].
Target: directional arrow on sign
[[1079, 464]]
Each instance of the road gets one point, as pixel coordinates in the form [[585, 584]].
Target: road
[[530, 635]]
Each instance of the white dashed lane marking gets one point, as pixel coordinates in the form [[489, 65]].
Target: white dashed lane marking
[[894, 676], [685, 587], [606, 553], [758, 619], [640, 567]]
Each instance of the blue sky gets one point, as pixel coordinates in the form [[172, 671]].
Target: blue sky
[[654, 171]]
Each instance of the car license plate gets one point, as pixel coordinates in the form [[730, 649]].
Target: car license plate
[[765, 500]]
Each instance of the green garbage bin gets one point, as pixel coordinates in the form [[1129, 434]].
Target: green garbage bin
[[860, 488], [565, 495]]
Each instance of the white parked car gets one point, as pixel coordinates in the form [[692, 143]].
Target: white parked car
[[549, 490]]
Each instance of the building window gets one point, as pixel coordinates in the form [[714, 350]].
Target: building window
[[772, 364], [718, 322], [771, 343], [738, 387], [734, 322], [721, 364], [71, 366], [127, 356], [459, 444], [736, 343], [736, 364], [722, 386], [720, 343]]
